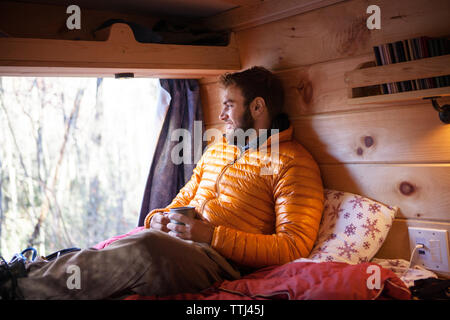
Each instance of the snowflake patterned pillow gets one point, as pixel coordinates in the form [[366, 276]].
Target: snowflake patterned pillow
[[352, 229]]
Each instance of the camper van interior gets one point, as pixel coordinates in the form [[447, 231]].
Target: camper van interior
[[93, 92]]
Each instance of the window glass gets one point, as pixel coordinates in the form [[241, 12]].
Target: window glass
[[74, 159]]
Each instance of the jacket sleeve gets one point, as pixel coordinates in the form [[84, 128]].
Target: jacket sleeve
[[184, 196], [298, 203]]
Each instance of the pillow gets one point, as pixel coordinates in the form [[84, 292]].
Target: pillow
[[352, 229]]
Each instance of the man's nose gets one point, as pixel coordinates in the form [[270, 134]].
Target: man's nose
[[223, 115]]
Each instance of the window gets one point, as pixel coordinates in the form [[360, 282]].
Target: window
[[74, 159]]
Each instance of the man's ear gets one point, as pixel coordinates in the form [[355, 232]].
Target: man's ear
[[258, 107]]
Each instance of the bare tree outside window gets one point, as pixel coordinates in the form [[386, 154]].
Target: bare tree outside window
[[74, 159]]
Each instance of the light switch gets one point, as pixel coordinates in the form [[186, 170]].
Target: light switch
[[435, 250]]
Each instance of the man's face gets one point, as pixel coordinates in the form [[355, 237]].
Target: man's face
[[234, 113]]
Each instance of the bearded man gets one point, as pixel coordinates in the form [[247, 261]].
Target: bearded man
[[252, 219], [258, 198]]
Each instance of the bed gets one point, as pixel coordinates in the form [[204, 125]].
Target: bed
[[341, 265]]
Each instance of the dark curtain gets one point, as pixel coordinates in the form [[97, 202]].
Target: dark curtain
[[166, 178]]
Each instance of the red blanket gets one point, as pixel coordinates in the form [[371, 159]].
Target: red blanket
[[306, 281], [300, 281]]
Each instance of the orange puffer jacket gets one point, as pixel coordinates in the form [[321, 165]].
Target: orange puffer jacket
[[260, 219]]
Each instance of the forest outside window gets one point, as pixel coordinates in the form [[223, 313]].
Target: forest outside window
[[74, 159]]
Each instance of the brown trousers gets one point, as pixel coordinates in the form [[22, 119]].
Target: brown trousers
[[149, 262]]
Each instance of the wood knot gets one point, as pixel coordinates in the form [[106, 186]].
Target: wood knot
[[307, 91], [359, 151], [398, 17], [407, 188], [368, 141], [300, 87], [304, 90]]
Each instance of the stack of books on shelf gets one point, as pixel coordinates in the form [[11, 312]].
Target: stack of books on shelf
[[412, 49]]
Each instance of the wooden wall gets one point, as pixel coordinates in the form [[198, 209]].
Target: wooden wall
[[396, 153]]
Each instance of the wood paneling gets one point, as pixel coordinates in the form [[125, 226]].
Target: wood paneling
[[256, 13], [339, 31], [419, 190], [404, 134], [319, 88]]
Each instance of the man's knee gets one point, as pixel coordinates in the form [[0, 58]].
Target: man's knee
[[152, 238], [138, 239], [153, 243], [157, 246]]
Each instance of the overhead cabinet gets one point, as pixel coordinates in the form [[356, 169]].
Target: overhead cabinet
[[116, 52]]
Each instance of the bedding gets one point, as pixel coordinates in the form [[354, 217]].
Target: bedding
[[403, 270], [297, 280], [304, 281], [339, 267]]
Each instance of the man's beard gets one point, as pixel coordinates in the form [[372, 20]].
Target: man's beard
[[236, 135]]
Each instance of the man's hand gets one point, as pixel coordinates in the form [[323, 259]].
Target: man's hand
[[194, 229], [159, 222]]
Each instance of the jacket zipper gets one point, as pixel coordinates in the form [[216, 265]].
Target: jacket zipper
[[219, 178]]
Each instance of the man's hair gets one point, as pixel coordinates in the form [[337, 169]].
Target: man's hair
[[258, 82]]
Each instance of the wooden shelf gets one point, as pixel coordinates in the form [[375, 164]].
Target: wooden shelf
[[402, 96], [118, 51], [411, 70]]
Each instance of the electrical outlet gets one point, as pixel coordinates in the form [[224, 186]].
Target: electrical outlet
[[435, 253]]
